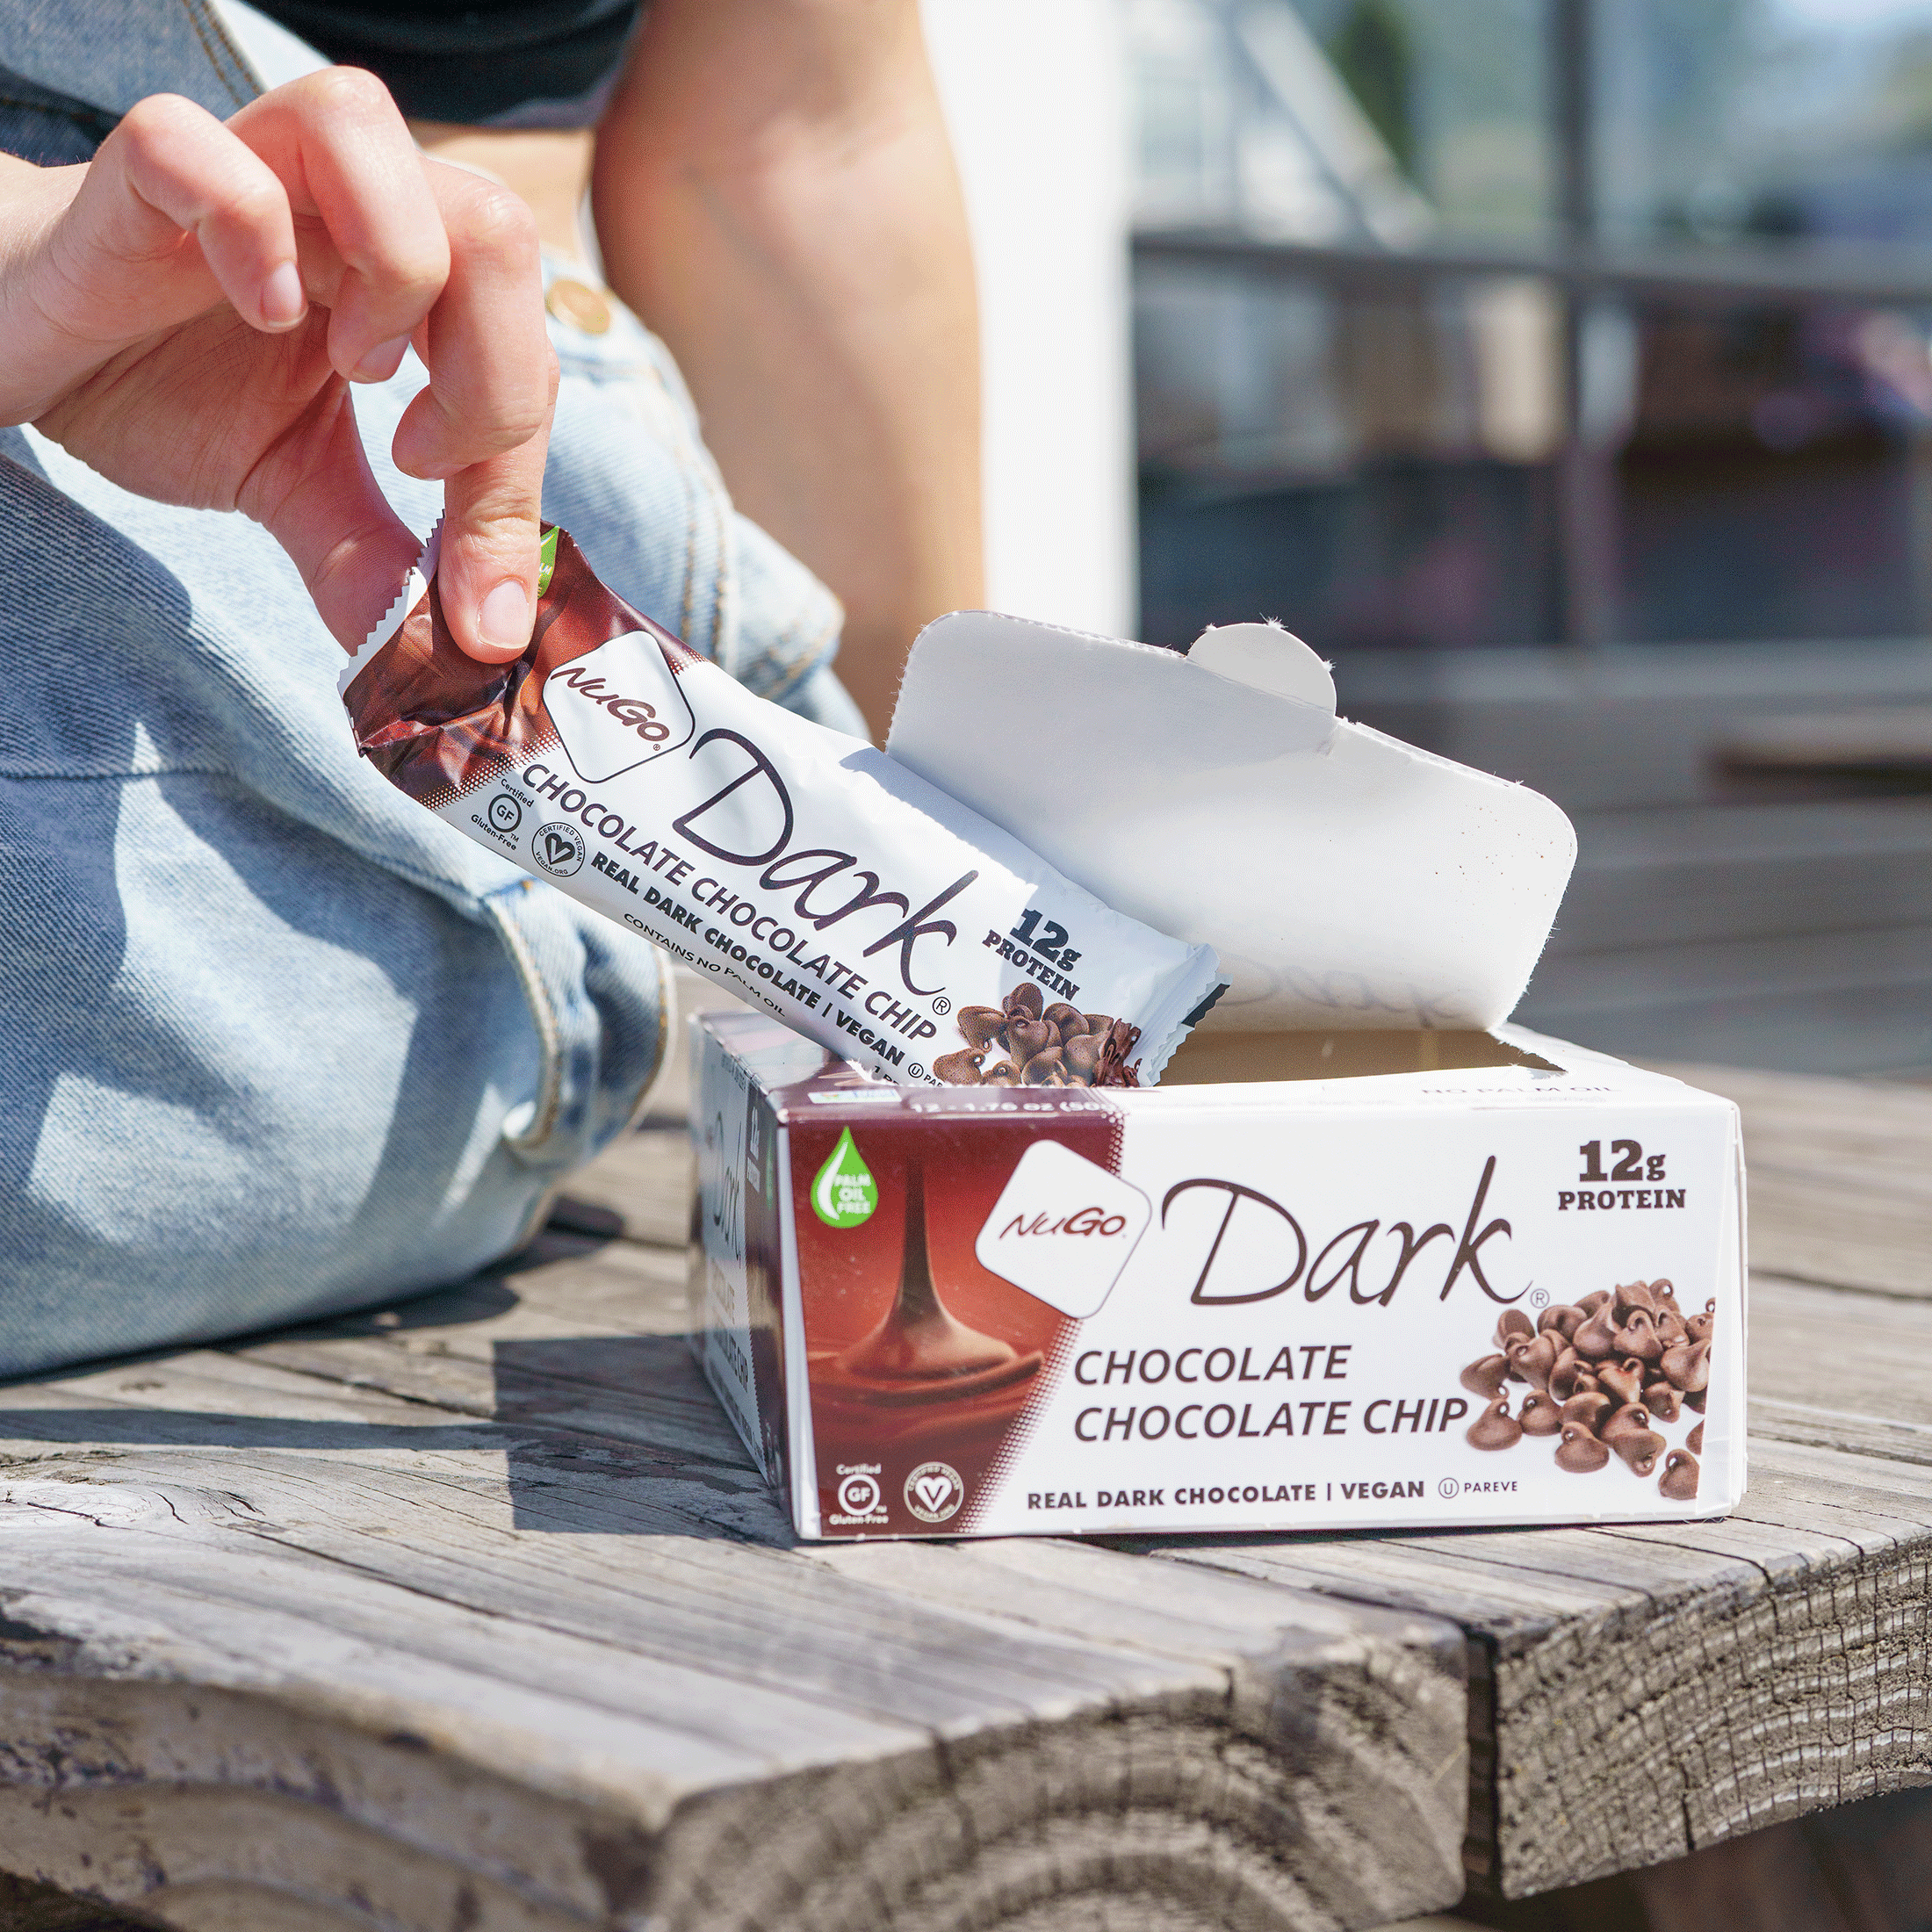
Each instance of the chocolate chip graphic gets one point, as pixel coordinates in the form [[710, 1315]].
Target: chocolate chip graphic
[[1564, 1376], [1098, 1022], [1533, 1360], [1580, 1452], [1496, 1428], [1662, 1400], [1632, 1419], [1025, 1001], [1064, 1019], [1679, 1479], [1639, 1447], [960, 1068], [1485, 1377], [1688, 1366], [1001, 1073], [1588, 1411], [1631, 1295], [1538, 1414], [1698, 1327], [1083, 1052], [1637, 1336], [1116, 1069], [1045, 1069], [1595, 1338], [1601, 1373], [1029, 1037], [1623, 1380], [979, 1025]]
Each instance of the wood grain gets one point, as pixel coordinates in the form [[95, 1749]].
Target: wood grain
[[476, 1617], [471, 1614], [1841, 1177]]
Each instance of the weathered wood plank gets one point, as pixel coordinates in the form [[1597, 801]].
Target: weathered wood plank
[[638, 1189], [473, 1612], [1841, 1177], [1536, 1602], [320, 1564]]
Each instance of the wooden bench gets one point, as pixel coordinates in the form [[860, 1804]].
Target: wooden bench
[[469, 1616]]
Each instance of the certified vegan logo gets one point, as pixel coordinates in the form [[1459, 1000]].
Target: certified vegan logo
[[558, 848], [843, 1191], [933, 1492]]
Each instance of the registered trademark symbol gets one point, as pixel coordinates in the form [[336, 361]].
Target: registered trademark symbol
[[942, 1004], [1539, 1298]]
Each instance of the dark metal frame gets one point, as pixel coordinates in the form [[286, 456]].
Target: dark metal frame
[[1583, 269]]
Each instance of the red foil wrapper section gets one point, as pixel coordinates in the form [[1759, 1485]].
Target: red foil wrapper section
[[436, 723]]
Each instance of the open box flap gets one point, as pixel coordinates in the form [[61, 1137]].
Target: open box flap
[[1345, 879]]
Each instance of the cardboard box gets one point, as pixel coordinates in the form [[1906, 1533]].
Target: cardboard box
[[1244, 1300]]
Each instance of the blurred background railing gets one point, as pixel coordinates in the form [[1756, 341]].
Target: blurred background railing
[[1562, 369]]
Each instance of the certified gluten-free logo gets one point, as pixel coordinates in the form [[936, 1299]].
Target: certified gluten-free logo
[[506, 812], [858, 1494], [558, 848], [933, 1492]]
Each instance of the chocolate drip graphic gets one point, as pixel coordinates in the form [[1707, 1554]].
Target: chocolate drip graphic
[[920, 1352]]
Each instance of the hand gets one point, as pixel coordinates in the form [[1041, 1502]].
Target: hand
[[186, 312]]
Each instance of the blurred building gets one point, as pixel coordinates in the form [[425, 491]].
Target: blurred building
[[1561, 369]]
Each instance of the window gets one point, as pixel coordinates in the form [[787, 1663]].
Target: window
[[1464, 322]]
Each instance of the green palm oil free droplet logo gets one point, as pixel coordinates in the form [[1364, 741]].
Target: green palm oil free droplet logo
[[844, 1192]]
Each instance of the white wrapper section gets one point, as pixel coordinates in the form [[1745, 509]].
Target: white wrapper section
[[802, 870], [820, 879]]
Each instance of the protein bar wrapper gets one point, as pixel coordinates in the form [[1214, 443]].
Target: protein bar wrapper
[[815, 876]]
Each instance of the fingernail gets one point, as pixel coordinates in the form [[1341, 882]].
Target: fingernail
[[282, 299], [383, 361], [503, 618]]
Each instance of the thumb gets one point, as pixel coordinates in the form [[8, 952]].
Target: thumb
[[486, 567]]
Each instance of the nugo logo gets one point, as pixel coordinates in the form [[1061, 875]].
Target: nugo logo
[[1082, 1220], [1062, 1228], [618, 707]]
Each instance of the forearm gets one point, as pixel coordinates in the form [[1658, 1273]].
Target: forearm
[[775, 195]]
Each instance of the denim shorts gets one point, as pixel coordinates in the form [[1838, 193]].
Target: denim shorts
[[280, 1043]]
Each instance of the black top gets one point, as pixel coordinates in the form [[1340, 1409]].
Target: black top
[[468, 60]]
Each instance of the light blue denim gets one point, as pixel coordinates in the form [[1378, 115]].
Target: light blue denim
[[277, 1043]]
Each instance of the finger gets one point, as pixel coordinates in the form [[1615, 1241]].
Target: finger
[[486, 568], [491, 368], [314, 493], [338, 143], [168, 171]]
